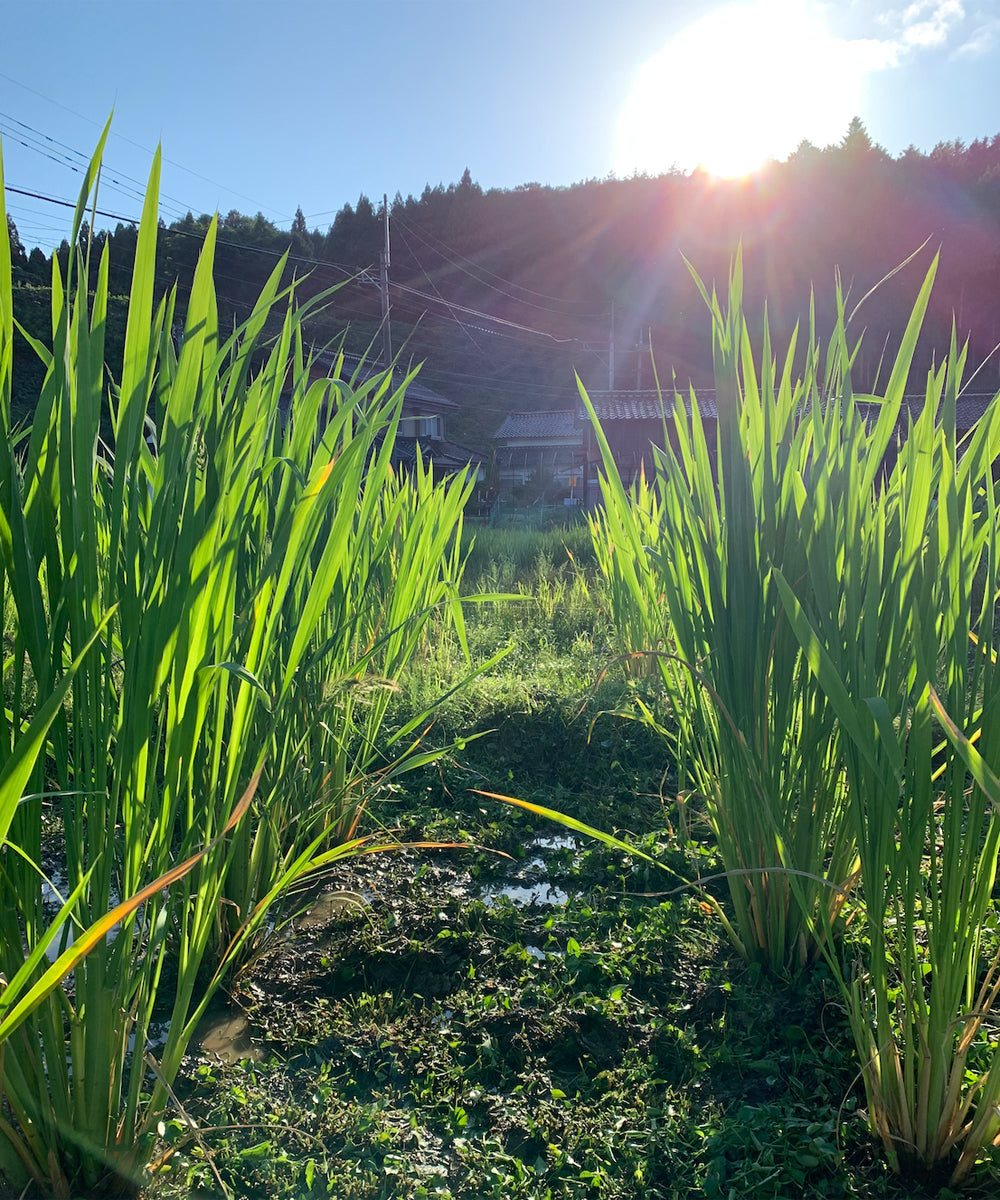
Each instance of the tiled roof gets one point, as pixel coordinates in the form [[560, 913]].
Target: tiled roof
[[415, 390], [645, 405], [968, 409], [559, 424], [453, 452], [445, 454]]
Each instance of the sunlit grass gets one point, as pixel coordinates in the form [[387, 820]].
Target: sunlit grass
[[206, 618], [819, 605], [689, 555], [897, 614]]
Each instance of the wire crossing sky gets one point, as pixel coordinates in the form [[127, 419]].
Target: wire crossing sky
[[267, 106]]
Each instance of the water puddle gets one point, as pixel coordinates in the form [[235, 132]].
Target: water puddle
[[524, 894], [328, 907], [226, 1037], [156, 1038], [528, 883], [54, 889]]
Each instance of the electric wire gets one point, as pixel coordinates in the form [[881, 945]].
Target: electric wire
[[466, 330], [453, 257], [493, 384], [450, 319], [352, 275], [131, 189], [123, 138], [134, 189], [347, 272], [474, 312]]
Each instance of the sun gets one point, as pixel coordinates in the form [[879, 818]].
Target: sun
[[744, 83]]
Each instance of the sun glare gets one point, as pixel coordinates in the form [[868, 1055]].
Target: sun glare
[[743, 84]]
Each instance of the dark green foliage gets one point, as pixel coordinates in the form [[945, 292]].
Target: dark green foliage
[[551, 260]]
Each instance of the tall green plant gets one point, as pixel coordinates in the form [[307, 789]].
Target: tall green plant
[[394, 565], [897, 615], [690, 556], [179, 595]]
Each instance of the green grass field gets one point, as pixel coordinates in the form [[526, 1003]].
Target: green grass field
[[598, 1040], [344, 855]]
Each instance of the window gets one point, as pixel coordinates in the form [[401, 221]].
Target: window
[[421, 427]]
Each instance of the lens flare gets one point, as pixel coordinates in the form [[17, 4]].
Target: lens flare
[[743, 84]]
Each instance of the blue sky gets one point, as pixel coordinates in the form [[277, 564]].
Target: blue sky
[[263, 105]]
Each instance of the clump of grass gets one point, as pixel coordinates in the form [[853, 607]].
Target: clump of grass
[[207, 615], [511, 556], [820, 605], [690, 557], [897, 615]]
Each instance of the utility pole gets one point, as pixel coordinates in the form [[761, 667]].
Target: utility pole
[[611, 350], [384, 286], [645, 350]]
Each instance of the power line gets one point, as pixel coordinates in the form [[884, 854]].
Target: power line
[[465, 329], [474, 312], [351, 273], [79, 162], [493, 384], [451, 319], [451, 255], [311, 216], [68, 204], [541, 391], [351, 276], [123, 138]]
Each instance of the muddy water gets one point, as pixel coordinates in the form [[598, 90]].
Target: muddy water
[[225, 1036], [524, 883], [528, 882], [54, 891], [328, 907]]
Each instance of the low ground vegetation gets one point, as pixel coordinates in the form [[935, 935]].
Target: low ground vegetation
[[544, 1024]]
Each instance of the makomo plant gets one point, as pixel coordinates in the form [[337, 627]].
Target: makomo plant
[[204, 608]]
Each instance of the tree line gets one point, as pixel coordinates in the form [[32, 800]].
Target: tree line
[[506, 294]]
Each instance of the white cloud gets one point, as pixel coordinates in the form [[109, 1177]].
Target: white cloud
[[929, 24], [981, 41], [921, 25]]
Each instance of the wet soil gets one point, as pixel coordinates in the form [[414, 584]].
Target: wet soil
[[433, 1024]]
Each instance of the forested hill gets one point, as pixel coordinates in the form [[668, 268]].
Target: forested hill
[[504, 294]]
